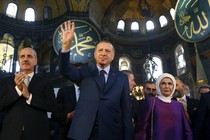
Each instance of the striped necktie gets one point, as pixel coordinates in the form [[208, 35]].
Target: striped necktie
[[27, 80]]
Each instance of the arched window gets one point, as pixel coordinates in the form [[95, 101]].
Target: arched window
[[163, 21], [134, 26], [153, 67], [29, 14], [124, 64], [150, 25], [47, 12], [9, 66], [180, 60], [121, 25], [172, 12], [7, 53], [11, 10]]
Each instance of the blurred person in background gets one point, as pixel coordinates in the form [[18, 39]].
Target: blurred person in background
[[190, 105], [204, 88], [149, 88]]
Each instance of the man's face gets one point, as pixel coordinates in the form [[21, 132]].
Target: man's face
[[131, 81], [150, 88], [27, 60], [203, 90], [104, 54], [180, 88]]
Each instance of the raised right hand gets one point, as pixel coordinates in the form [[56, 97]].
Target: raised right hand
[[67, 29]]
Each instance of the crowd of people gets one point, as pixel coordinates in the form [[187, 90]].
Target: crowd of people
[[99, 105]]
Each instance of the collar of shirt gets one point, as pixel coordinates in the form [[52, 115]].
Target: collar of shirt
[[107, 69], [31, 75], [76, 87], [77, 91], [185, 99]]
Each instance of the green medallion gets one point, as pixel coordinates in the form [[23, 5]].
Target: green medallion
[[86, 38], [192, 19]]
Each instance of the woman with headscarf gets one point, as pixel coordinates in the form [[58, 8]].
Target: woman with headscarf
[[162, 118]]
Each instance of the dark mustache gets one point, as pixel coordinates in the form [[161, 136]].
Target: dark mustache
[[25, 62]]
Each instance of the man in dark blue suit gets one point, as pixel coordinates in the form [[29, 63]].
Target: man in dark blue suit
[[102, 112]]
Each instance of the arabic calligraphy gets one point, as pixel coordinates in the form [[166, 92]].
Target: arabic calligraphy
[[86, 38], [80, 45], [188, 2], [192, 19], [192, 29]]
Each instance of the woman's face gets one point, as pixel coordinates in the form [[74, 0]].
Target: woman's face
[[166, 86]]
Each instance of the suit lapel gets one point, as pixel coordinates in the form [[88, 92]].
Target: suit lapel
[[74, 94], [111, 78], [33, 81], [95, 75]]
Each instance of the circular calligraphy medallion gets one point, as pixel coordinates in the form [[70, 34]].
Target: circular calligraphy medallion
[[86, 38], [192, 19]]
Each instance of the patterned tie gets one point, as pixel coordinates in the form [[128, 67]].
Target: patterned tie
[[183, 103], [27, 80], [185, 108], [102, 78]]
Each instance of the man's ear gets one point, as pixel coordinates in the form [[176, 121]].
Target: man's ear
[[184, 86], [113, 57], [36, 62]]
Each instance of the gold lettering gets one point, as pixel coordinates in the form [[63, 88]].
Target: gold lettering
[[183, 18], [192, 27], [83, 46], [187, 4], [194, 3], [202, 26], [185, 32], [195, 10], [182, 4], [206, 20], [82, 34]]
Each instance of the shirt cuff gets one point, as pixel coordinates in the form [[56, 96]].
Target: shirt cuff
[[29, 99], [65, 51], [18, 91]]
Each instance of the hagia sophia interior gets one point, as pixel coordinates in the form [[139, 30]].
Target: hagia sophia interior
[[150, 36]]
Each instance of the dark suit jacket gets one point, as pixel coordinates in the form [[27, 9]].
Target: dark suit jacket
[[18, 113], [67, 98], [192, 106], [112, 104], [202, 124]]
